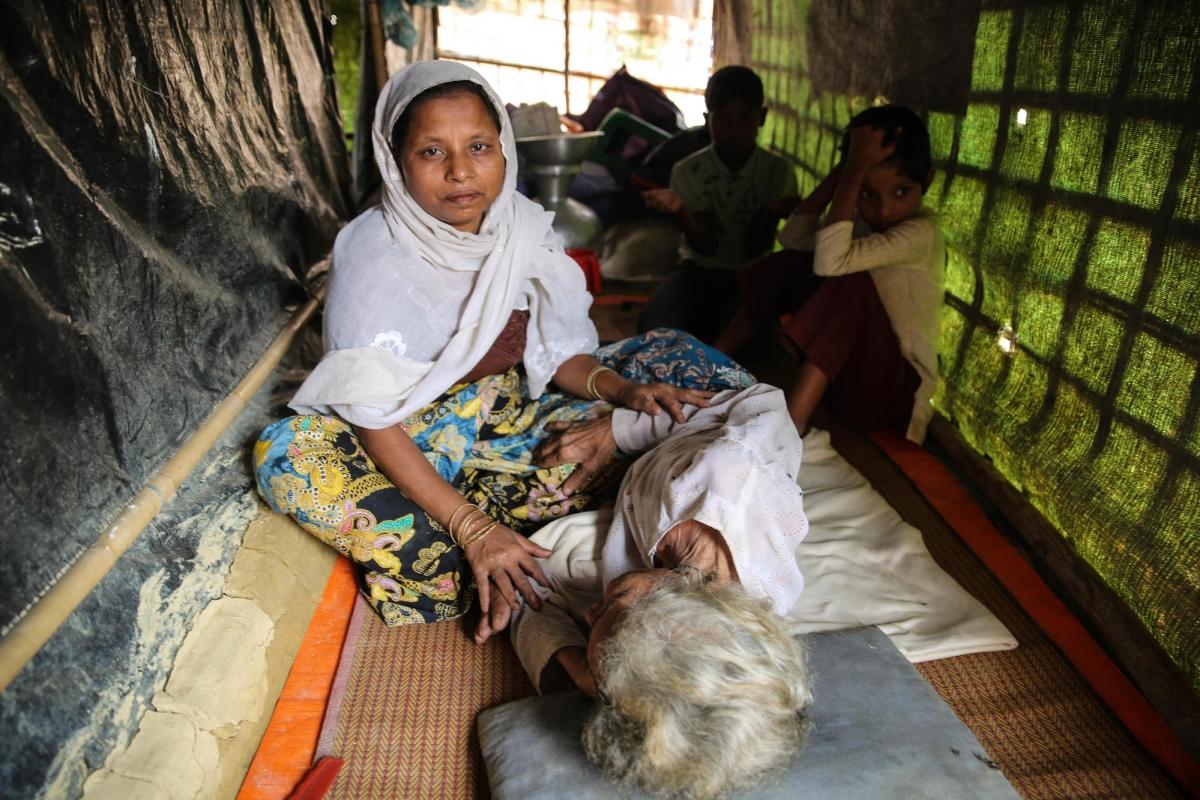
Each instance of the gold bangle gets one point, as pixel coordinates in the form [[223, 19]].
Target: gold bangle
[[590, 384], [469, 534], [450, 522], [464, 523], [465, 531], [481, 534], [464, 527]]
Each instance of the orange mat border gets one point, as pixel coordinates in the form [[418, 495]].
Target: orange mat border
[[947, 494], [285, 754]]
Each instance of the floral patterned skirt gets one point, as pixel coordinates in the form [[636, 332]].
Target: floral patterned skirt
[[480, 437]]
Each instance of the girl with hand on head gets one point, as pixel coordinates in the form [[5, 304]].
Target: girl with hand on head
[[456, 333], [860, 292]]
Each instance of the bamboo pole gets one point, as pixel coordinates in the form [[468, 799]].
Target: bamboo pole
[[45, 617], [566, 56], [378, 46]]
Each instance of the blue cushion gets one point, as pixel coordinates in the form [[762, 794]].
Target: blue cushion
[[879, 730]]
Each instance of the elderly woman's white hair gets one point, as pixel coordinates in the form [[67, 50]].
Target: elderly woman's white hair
[[704, 691]]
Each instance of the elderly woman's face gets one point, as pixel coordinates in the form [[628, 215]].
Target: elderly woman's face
[[606, 613], [451, 160]]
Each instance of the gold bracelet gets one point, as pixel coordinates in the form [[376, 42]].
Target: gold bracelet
[[469, 532], [450, 522], [596, 372], [464, 523], [464, 528], [593, 375], [470, 524], [481, 534]]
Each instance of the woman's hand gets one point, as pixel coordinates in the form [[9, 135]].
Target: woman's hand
[[493, 621], [652, 398], [503, 561], [575, 375], [870, 146], [589, 444], [694, 544]]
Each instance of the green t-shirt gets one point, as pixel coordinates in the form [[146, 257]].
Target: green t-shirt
[[731, 200]]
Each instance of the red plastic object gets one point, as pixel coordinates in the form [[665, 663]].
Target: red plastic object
[[318, 780], [589, 262]]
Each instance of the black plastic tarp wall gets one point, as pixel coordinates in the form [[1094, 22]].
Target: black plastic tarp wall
[[170, 173]]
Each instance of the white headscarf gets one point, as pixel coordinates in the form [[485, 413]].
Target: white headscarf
[[413, 304]]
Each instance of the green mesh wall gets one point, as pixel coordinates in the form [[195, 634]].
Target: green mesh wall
[[1079, 230]]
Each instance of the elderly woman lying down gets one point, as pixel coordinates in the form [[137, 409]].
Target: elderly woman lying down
[[701, 687]]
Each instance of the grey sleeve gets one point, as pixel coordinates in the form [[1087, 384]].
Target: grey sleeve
[[538, 635]]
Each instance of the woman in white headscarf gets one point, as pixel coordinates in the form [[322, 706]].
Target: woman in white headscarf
[[451, 310]]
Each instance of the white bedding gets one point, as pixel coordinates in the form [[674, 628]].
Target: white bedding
[[862, 565]]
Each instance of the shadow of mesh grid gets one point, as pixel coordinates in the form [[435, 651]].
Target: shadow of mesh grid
[[1068, 187]]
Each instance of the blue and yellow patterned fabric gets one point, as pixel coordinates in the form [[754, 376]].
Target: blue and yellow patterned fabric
[[480, 437]]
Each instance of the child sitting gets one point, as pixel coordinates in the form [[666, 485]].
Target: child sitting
[[867, 333], [726, 198]]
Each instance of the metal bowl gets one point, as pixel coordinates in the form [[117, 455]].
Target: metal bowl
[[558, 148]]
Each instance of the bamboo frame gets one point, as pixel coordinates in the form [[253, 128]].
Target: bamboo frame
[[45, 616]]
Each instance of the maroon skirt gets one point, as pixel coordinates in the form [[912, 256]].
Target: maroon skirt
[[844, 329]]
